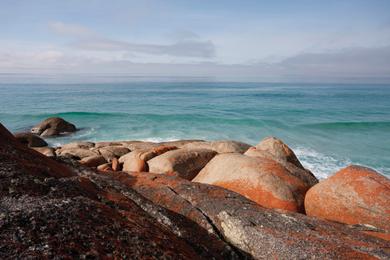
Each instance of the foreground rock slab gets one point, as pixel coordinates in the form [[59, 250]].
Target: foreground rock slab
[[354, 195], [49, 210], [263, 233]]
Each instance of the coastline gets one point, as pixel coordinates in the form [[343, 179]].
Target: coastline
[[254, 201]]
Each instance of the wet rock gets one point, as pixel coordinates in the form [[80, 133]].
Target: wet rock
[[53, 126], [354, 195], [30, 140], [185, 162], [263, 180], [225, 146]]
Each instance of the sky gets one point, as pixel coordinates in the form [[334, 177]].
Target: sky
[[247, 40]]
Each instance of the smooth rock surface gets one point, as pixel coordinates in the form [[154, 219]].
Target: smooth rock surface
[[93, 161], [263, 180], [137, 160], [77, 153], [224, 146], [185, 162], [81, 145], [354, 195]]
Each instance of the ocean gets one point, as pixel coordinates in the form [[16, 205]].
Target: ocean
[[327, 125]]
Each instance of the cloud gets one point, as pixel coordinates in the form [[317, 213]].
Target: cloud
[[188, 45], [73, 30], [188, 48]]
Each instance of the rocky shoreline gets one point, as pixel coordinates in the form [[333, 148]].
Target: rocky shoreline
[[182, 199]]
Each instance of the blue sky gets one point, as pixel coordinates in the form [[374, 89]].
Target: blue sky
[[335, 41]]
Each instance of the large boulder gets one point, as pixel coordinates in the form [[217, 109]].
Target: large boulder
[[263, 180], [354, 195], [185, 162], [79, 144], [30, 140], [111, 152], [225, 146], [53, 126], [76, 153], [278, 150], [137, 160], [93, 161], [260, 232]]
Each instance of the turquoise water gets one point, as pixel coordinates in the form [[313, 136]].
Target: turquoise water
[[328, 126]]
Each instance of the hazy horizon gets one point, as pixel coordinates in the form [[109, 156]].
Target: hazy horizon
[[282, 41]]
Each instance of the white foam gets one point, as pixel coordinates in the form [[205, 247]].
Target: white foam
[[320, 164]]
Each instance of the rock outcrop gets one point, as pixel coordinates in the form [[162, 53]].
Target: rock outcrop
[[263, 180], [354, 195], [30, 140], [53, 126], [260, 232], [61, 209], [184, 162]]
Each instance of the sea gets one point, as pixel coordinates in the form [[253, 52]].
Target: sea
[[328, 126]]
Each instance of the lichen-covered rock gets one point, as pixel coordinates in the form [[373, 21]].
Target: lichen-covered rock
[[354, 195], [49, 210], [53, 126], [185, 162], [30, 140], [225, 146], [260, 232], [263, 180]]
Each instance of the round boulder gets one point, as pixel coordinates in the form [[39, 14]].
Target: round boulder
[[260, 179], [354, 195], [224, 146], [184, 162], [53, 126], [30, 140]]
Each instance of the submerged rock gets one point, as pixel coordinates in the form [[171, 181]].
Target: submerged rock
[[30, 140], [53, 126], [263, 180], [185, 162], [354, 195]]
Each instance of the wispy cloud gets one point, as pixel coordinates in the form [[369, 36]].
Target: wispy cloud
[[188, 44]]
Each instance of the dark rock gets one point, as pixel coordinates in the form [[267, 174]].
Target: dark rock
[[53, 126], [30, 140]]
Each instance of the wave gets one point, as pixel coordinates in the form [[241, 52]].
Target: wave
[[349, 125]]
